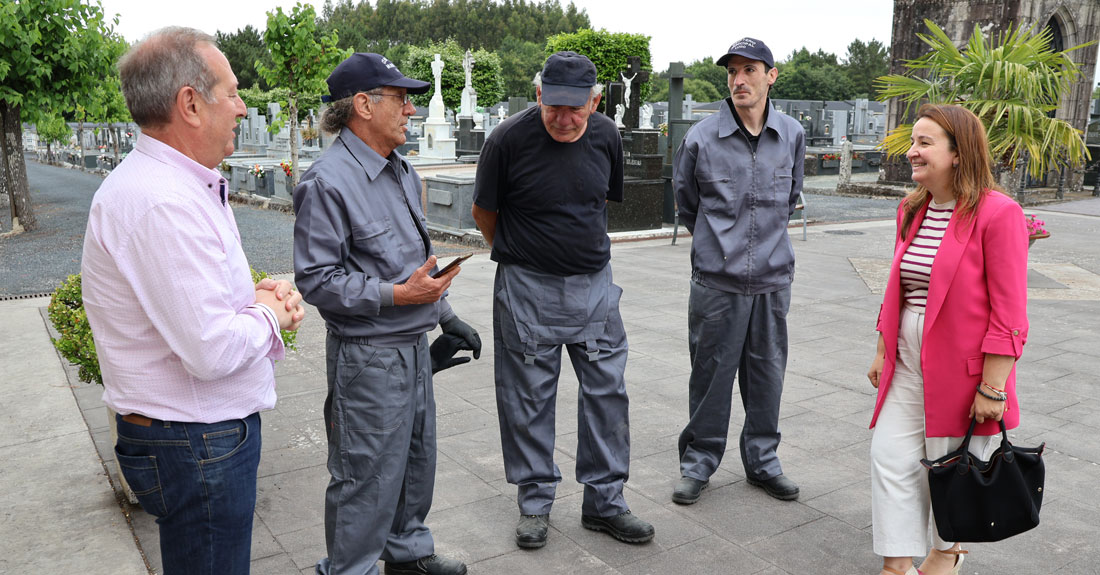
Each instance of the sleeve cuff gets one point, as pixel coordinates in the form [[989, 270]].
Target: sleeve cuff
[[385, 294], [278, 350], [1011, 344]]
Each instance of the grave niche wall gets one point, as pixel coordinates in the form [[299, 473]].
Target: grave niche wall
[[1076, 22]]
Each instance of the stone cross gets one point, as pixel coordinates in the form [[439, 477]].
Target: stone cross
[[676, 90], [469, 95]]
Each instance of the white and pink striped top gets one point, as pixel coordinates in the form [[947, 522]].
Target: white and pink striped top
[[916, 262]]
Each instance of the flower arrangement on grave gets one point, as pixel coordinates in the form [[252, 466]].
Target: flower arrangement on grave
[[224, 166], [256, 170], [66, 313], [828, 157], [857, 155], [287, 169], [1035, 229], [663, 127]]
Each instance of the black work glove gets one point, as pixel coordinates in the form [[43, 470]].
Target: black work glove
[[457, 335]]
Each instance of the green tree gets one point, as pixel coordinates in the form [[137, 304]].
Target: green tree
[[811, 76], [52, 129], [520, 60], [700, 90], [1013, 83], [107, 105], [865, 63], [485, 76], [51, 58], [301, 60], [243, 48], [608, 51]]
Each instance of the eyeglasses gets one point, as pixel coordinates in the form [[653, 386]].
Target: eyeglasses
[[405, 98]]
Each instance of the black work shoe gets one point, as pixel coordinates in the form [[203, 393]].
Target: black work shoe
[[531, 531], [778, 487], [624, 527], [430, 565], [688, 489]]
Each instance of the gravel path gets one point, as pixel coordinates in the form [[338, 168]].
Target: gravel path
[[34, 263]]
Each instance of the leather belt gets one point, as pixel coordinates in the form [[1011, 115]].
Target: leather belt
[[137, 419]]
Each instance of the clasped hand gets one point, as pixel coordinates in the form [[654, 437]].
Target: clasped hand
[[284, 300]]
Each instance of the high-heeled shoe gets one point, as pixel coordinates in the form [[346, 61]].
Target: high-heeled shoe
[[912, 571], [959, 555]]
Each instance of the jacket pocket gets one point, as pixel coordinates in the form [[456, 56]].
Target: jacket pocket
[[717, 192], [376, 240]]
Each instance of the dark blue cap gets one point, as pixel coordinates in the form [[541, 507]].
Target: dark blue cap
[[750, 48], [567, 79], [365, 71]]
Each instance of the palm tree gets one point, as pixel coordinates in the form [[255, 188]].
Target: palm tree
[[1013, 85]]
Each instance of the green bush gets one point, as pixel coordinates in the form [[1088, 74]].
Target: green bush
[[66, 311], [67, 315], [608, 51]]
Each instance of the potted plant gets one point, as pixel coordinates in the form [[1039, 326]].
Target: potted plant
[[1035, 229], [830, 161], [76, 345]]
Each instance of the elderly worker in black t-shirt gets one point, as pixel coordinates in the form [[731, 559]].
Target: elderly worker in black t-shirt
[[543, 181]]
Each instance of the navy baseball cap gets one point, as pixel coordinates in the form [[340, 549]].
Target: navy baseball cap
[[365, 71], [750, 48], [567, 79]]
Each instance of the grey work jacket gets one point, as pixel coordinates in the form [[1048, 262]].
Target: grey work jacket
[[358, 230], [736, 203]]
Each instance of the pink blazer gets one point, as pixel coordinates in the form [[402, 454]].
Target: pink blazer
[[977, 304]]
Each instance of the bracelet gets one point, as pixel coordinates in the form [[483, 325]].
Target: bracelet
[[1001, 396], [991, 388]]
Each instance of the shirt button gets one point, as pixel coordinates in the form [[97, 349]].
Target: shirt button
[[1015, 332]]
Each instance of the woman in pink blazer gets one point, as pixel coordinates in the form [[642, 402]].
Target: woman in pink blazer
[[953, 323]]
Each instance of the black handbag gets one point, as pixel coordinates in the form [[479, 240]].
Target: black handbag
[[977, 501]]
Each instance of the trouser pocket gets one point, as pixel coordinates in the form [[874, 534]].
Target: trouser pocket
[[143, 475]]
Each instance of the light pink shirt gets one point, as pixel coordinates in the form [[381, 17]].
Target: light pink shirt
[[169, 295]]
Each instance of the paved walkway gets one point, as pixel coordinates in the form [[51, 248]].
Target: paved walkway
[[60, 516]]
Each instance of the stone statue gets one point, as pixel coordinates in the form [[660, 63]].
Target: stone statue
[[626, 87], [500, 113], [619, 112], [468, 66], [437, 71], [645, 123]]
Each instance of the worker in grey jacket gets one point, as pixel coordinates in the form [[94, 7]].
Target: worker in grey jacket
[[737, 176], [363, 257]]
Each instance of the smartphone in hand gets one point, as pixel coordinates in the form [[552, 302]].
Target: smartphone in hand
[[453, 264]]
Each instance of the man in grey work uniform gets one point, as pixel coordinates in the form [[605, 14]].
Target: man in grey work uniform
[[540, 198], [362, 256], [737, 176]]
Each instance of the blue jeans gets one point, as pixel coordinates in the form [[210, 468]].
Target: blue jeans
[[199, 481]]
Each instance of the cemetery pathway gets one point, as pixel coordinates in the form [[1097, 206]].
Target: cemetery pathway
[[35, 263]]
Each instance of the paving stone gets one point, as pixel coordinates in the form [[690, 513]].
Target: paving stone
[[825, 546], [708, 555]]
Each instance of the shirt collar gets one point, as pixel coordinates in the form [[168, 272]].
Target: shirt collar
[[209, 179], [372, 162], [727, 124]]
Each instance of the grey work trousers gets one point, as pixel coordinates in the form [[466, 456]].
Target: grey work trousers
[[534, 315], [380, 420], [730, 334]]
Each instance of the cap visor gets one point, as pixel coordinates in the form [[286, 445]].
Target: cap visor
[[413, 86], [557, 95]]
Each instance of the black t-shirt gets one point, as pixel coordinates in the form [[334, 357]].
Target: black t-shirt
[[754, 140], [550, 197]]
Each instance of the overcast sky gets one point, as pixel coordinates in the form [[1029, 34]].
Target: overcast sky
[[683, 30]]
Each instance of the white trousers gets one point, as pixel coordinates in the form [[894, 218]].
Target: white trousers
[[901, 508]]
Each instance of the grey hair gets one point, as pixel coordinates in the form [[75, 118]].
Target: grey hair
[[155, 69], [596, 89], [336, 116]]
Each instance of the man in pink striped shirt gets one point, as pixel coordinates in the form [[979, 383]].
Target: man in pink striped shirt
[[186, 342]]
